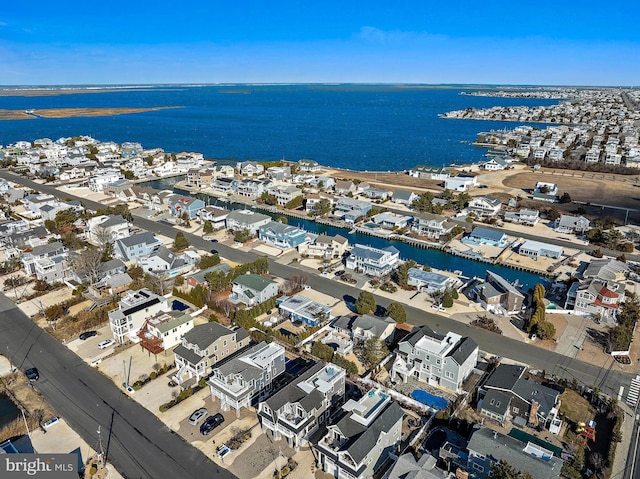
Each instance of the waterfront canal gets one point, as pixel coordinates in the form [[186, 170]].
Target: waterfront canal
[[432, 257]]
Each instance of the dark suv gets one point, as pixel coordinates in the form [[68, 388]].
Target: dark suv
[[88, 334], [211, 423], [32, 374]]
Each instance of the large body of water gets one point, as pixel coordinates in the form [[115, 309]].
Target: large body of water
[[360, 127], [432, 257]]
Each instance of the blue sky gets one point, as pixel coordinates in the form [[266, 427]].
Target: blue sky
[[496, 42]]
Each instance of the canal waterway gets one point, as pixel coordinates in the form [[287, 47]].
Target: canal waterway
[[432, 257]]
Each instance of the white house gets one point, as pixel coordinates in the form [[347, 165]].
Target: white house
[[460, 183], [374, 261], [133, 309]]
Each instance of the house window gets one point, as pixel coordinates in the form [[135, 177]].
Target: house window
[[224, 343], [478, 467], [516, 410]]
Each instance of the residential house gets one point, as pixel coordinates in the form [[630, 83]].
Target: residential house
[[390, 221], [499, 296], [607, 270], [481, 235], [249, 168], [442, 360], [163, 331], [202, 347], [374, 261], [484, 206], [323, 183], [33, 203], [545, 192], [488, 447], [285, 194], [225, 185], [496, 163], [282, 235], [432, 226], [363, 438], [523, 217], [251, 188], [404, 197], [535, 249], [199, 178], [377, 194], [460, 183], [247, 378], [312, 199], [429, 172], [107, 228], [164, 262], [308, 165], [279, 173], [508, 396], [301, 407], [216, 216], [239, 220], [350, 209], [300, 308], [48, 262], [179, 205], [222, 171], [572, 224], [133, 309], [252, 289], [199, 278], [324, 246], [344, 187], [362, 328], [104, 177], [103, 291], [136, 246], [430, 282], [107, 268], [596, 297]]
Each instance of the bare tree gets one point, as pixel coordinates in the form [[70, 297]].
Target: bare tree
[[88, 262], [296, 281], [596, 460]]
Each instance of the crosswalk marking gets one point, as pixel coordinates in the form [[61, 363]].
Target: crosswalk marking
[[634, 391]]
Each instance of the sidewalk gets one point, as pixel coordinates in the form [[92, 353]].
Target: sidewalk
[[622, 449]]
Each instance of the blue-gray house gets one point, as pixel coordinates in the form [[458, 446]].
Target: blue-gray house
[[179, 205], [140, 245], [280, 235], [481, 235]]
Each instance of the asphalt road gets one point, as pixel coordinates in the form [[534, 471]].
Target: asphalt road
[[607, 377], [139, 446]]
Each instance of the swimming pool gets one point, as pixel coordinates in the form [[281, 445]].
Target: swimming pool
[[436, 402]]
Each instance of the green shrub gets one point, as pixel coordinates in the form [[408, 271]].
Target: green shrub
[[153, 375]]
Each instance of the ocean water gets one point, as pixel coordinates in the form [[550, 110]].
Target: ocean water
[[360, 127]]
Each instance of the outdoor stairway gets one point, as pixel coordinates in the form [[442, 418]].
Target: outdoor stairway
[[634, 391]]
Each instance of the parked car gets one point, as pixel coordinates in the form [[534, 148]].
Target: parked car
[[211, 423], [32, 374], [340, 273], [197, 416], [106, 343], [88, 334], [298, 323]]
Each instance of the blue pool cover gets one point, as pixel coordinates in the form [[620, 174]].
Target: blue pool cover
[[431, 400]]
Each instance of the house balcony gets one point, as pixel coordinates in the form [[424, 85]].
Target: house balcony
[[151, 343]]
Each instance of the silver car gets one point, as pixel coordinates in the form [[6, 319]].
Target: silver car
[[197, 416]]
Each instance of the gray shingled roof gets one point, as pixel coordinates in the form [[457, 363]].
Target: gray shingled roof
[[140, 238], [462, 350], [500, 447], [237, 366], [187, 354], [203, 335], [47, 248], [496, 402], [371, 323], [291, 393], [362, 439], [500, 283], [113, 220], [418, 333], [504, 376], [486, 233]]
